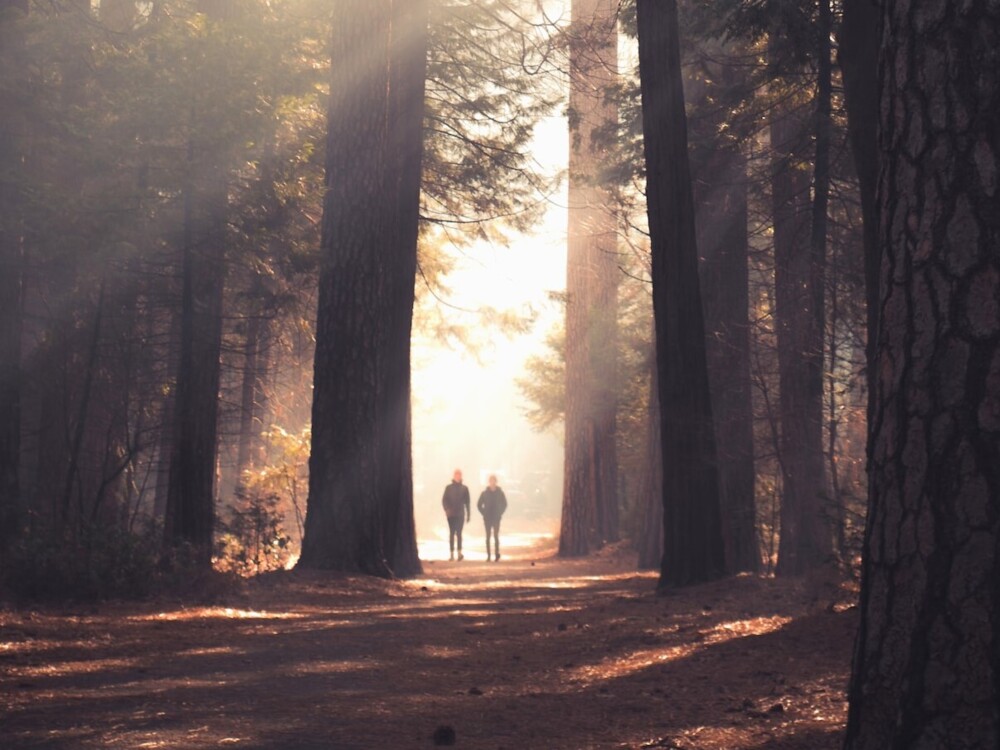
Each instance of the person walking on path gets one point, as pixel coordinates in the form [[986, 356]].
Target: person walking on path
[[457, 507], [492, 504]]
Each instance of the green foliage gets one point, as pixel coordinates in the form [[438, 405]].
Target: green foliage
[[286, 475], [544, 384], [486, 91], [252, 539]]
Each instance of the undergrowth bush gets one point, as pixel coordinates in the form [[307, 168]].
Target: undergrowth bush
[[96, 562], [99, 562], [252, 538]]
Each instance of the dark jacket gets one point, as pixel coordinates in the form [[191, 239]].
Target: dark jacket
[[492, 504], [455, 501]]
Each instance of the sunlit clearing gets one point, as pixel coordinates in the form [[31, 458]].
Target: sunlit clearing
[[519, 580], [219, 613], [443, 652], [333, 667], [614, 668], [755, 626], [216, 651], [513, 546], [76, 667]]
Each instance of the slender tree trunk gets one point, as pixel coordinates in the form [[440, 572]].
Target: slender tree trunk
[[249, 388], [650, 495], [693, 545], [799, 248], [720, 192], [11, 280], [190, 511], [167, 414], [927, 657], [590, 497], [83, 412], [858, 58], [360, 510], [817, 509]]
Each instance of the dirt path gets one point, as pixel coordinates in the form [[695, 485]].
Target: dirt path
[[531, 652]]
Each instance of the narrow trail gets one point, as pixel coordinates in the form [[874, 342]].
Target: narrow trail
[[530, 652]]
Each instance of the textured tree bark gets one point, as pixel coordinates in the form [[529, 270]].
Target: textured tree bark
[[693, 546], [590, 496], [719, 177], [408, 78], [927, 659], [360, 509]]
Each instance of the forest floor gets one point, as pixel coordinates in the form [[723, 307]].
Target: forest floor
[[529, 652]]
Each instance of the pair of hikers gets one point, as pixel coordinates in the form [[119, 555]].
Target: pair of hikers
[[492, 504]]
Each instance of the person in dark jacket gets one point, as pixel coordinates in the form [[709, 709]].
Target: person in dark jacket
[[492, 504], [458, 508]]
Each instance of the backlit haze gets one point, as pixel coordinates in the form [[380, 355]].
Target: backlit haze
[[467, 410]]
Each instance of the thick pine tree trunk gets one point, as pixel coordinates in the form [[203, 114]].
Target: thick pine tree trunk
[[927, 660], [693, 545], [590, 492], [408, 77], [360, 509]]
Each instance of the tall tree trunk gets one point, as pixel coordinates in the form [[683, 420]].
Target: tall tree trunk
[[249, 429], [190, 511], [720, 193], [858, 58], [167, 415], [650, 494], [693, 545], [805, 540], [408, 72], [590, 497], [83, 413], [11, 270], [360, 508], [927, 658]]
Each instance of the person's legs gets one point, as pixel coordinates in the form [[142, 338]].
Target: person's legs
[[459, 523], [487, 523], [496, 540], [454, 529]]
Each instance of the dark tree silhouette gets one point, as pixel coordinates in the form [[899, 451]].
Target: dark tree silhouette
[[858, 58], [693, 547], [11, 252], [190, 504], [360, 508], [927, 661], [799, 332], [719, 176]]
